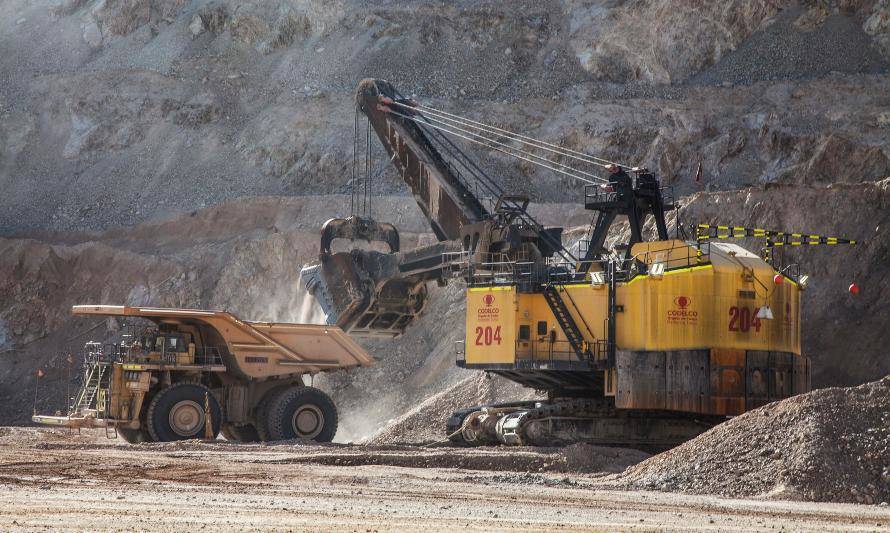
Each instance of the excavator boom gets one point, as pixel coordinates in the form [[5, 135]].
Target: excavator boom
[[443, 197], [380, 294]]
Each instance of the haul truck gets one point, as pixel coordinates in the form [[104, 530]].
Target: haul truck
[[188, 373]]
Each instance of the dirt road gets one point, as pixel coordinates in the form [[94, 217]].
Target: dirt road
[[50, 479]]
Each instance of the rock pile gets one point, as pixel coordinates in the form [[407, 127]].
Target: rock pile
[[827, 445], [426, 422]]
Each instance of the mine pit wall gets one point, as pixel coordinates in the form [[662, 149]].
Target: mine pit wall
[[235, 255]]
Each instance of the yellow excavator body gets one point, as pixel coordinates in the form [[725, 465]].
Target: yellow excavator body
[[690, 333]]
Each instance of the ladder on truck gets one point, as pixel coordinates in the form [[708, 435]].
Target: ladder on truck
[[94, 396], [92, 383]]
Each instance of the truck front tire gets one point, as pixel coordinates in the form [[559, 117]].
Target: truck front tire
[[177, 413], [302, 413]]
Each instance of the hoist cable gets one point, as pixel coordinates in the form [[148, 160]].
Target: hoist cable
[[525, 139], [370, 188], [519, 150], [352, 189], [367, 168], [505, 151]]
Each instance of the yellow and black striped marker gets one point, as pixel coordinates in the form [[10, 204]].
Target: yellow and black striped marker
[[706, 232]]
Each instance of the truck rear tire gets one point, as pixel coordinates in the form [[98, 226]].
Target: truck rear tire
[[261, 412], [302, 413], [177, 413], [246, 433]]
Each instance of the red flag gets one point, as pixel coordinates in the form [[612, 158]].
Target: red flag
[[40, 373], [698, 173]]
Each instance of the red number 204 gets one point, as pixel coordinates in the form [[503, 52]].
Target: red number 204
[[487, 336], [743, 319]]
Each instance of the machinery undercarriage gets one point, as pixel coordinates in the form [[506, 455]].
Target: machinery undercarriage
[[567, 421]]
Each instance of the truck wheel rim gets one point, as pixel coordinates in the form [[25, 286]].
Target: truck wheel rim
[[307, 421], [186, 418]]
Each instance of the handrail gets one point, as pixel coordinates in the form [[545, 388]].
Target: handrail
[[559, 350]]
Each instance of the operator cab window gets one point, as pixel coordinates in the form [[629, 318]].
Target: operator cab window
[[175, 343]]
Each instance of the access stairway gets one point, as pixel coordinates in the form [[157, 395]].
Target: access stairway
[[569, 327], [94, 380]]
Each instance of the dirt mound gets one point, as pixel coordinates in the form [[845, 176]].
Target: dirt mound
[[587, 458], [426, 422], [827, 445]]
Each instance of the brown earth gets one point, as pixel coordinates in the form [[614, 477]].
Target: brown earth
[[56, 480]]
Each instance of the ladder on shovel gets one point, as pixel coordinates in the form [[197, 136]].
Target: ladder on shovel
[[567, 322]]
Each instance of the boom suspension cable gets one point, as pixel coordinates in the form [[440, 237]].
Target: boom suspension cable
[[506, 149], [524, 139]]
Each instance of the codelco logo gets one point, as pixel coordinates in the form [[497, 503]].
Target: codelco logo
[[487, 313], [682, 312]]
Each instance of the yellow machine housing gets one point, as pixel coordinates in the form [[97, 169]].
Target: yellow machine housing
[[692, 334]]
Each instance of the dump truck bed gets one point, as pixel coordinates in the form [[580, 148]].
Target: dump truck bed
[[256, 349]]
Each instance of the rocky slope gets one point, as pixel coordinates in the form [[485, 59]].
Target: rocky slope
[[117, 111], [184, 152]]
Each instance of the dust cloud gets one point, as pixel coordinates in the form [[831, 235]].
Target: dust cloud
[[309, 310], [286, 301]]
